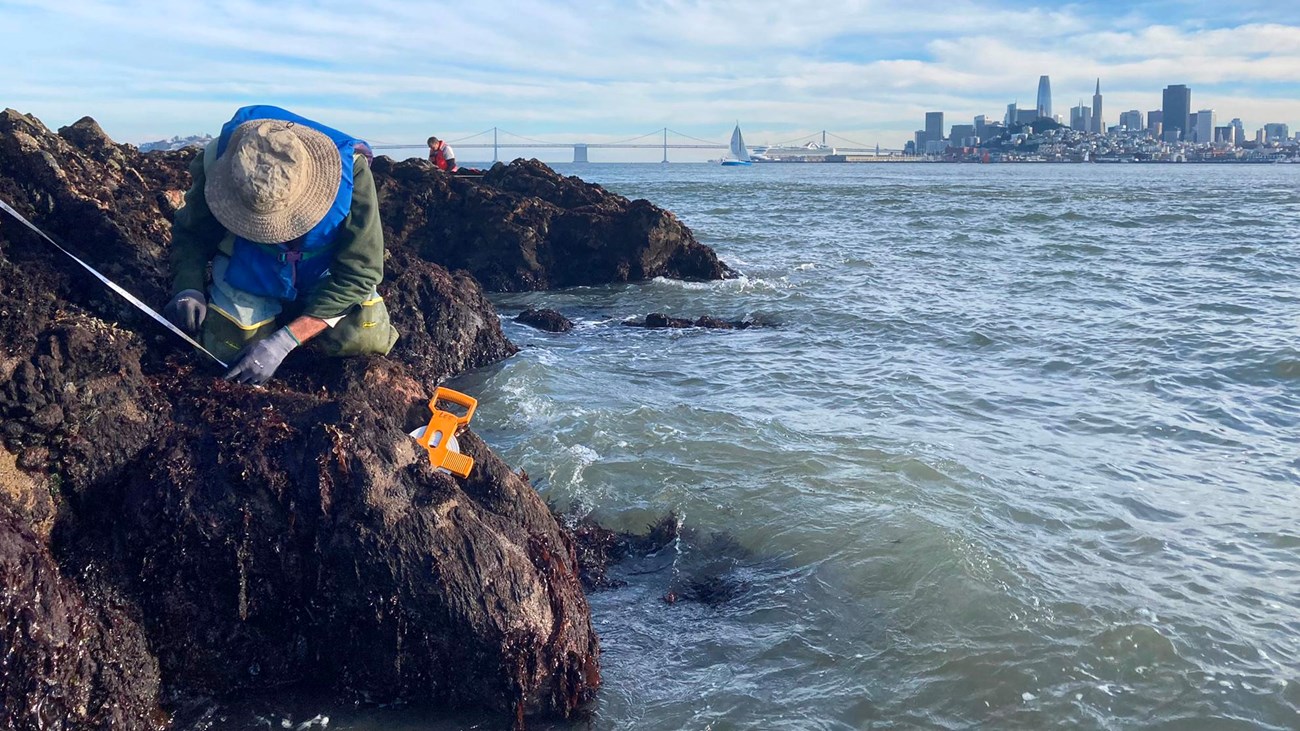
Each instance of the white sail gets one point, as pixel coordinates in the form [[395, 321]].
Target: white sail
[[738, 150]]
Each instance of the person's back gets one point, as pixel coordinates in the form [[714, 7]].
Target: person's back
[[286, 212]]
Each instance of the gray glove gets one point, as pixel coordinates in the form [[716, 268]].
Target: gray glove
[[187, 310], [256, 363]]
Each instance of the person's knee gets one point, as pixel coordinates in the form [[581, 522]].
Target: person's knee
[[224, 336]]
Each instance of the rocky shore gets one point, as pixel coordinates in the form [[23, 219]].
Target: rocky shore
[[165, 535]]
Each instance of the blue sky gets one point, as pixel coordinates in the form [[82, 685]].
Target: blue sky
[[395, 72]]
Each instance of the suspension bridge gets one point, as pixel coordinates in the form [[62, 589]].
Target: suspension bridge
[[656, 140]]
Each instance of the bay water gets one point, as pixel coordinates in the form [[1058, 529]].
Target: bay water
[[1015, 446]]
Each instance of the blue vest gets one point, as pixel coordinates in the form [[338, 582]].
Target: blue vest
[[279, 270]]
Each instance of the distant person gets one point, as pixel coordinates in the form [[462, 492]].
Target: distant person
[[285, 211], [442, 156]]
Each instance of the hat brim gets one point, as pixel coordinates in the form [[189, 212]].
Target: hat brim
[[323, 175]]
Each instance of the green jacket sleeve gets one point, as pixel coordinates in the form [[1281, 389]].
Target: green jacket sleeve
[[358, 265], [195, 235]]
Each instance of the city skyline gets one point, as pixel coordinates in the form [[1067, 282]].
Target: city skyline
[[606, 70], [1176, 120]]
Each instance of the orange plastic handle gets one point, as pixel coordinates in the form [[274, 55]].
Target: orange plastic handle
[[442, 426], [456, 397]]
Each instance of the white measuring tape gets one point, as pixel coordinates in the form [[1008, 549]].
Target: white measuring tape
[[113, 285]]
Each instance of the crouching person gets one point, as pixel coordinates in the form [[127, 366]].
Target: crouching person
[[285, 211]]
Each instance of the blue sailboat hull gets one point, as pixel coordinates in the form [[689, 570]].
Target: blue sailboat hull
[[735, 163]]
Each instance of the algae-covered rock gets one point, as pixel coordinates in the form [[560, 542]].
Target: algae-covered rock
[[196, 537], [525, 227]]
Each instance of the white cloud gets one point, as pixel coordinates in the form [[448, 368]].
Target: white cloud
[[397, 71]]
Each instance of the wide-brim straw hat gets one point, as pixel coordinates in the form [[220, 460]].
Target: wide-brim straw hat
[[275, 181]]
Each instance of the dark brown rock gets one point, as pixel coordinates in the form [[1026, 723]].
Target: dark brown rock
[[523, 227], [658, 320], [66, 662], [254, 538], [547, 320]]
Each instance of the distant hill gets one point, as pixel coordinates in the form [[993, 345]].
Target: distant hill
[[176, 143]]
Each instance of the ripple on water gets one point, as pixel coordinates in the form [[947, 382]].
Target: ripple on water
[[1030, 466]]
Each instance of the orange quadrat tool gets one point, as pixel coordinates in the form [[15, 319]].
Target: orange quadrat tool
[[439, 437]]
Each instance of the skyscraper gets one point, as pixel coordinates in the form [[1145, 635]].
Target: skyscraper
[[1204, 125], [1155, 122], [1044, 97], [1275, 133], [1240, 130], [1081, 118], [1177, 107], [1131, 120], [934, 126], [1098, 125]]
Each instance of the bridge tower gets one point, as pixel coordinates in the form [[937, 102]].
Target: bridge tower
[[665, 145], [580, 152], [495, 151]]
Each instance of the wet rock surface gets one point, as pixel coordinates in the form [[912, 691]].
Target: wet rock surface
[[524, 227], [72, 658], [547, 320], [658, 321], [193, 538]]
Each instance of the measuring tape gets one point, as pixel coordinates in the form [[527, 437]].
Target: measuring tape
[[113, 285]]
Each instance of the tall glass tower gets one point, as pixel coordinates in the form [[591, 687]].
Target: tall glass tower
[[1177, 107], [1044, 97]]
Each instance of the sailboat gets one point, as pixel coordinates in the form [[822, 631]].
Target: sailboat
[[738, 150]]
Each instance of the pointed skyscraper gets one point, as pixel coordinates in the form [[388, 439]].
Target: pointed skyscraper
[[1098, 125], [1044, 97]]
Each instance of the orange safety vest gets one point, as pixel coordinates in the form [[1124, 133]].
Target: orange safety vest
[[439, 155]]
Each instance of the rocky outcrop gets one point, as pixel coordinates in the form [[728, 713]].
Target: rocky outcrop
[[164, 533], [547, 320], [524, 227], [658, 320]]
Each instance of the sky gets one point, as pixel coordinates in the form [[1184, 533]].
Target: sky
[[866, 71]]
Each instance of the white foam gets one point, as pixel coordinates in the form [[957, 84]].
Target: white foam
[[742, 283]]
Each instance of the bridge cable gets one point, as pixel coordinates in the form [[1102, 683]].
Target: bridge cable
[[697, 139], [852, 142]]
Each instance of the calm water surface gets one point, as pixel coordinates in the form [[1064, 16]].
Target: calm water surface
[[1020, 449]]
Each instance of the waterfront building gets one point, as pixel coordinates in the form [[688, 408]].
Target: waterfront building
[[1177, 108], [1203, 126], [1098, 125], [1276, 133], [1081, 118], [1155, 123], [1044, 97], [1130, 121]]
